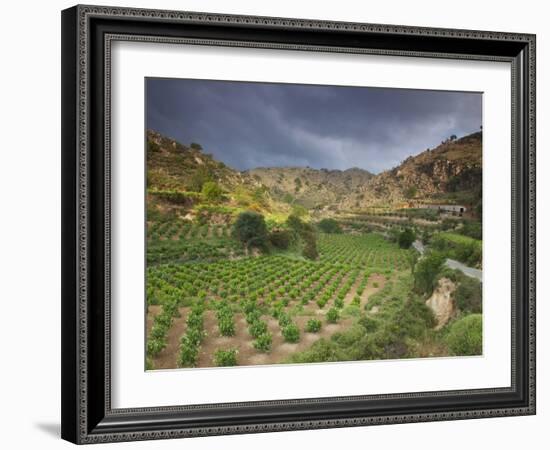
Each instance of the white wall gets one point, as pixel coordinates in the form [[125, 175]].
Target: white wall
[[30, 225]]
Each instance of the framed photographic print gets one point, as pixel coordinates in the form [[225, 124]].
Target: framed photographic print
[[281, 224]]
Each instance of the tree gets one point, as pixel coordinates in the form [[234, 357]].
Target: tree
[[212, 191], [310, 245], [251, 230], [453, 137], [426, 271], [195, 146], [329, 226], [304, 232], [406, 238]]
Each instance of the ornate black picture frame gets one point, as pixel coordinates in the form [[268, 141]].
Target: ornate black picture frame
[[87, 34]]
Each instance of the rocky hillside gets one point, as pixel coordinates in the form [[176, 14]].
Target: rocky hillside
[[172, 165], [449, 173], [309, 187]]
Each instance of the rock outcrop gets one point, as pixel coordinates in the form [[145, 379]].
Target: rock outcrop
[[442, 303]]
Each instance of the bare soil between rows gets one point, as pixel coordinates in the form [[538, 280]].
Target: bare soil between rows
[[247, 354]]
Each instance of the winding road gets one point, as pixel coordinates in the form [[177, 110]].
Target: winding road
[[453, 264]]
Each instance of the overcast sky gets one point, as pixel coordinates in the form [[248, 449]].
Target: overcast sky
[[249, 125]]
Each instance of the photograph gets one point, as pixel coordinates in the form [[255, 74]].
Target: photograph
[[301, 223]]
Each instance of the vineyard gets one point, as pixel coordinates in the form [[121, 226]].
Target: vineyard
[[294, 264], [207, 309]]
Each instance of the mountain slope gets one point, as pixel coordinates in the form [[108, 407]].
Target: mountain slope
[[309, 187], [449, 173]]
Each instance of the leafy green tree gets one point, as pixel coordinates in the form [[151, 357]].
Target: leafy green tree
[[329, 226], [212, 191], [406, 238], [426, 271], [251, 230], [310, 245], [195, 146]]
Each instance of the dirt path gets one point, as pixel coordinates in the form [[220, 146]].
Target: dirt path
[[380, 280], [152, 312], [168, 358]]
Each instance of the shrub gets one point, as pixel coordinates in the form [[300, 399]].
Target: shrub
[[313, 325], [368, 323], [189, 352], [226, 326], [465, 336], [263, 342], [211, 191], [291, 333], [333, 315], [468, 295], [471, 229], [284, 319], [329, 226], [225, 357], [257, 328], [155, 346], [458, 246], [406, 238], [250, 229]]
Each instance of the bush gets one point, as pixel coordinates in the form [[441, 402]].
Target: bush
[[263, 342], [471, 229], [465, 336], [333, 315], [251, 230], [313, 325], [329, 226], [225, 357], [212, 191], [291, 333], [406, 238], [155, 346], [257, 328], [468, 295], [189, 352], [458, 246]]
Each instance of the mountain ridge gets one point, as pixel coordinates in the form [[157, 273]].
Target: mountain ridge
[[451, 172]]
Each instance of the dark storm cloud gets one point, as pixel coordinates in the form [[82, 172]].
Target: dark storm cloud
[[249, 125]]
